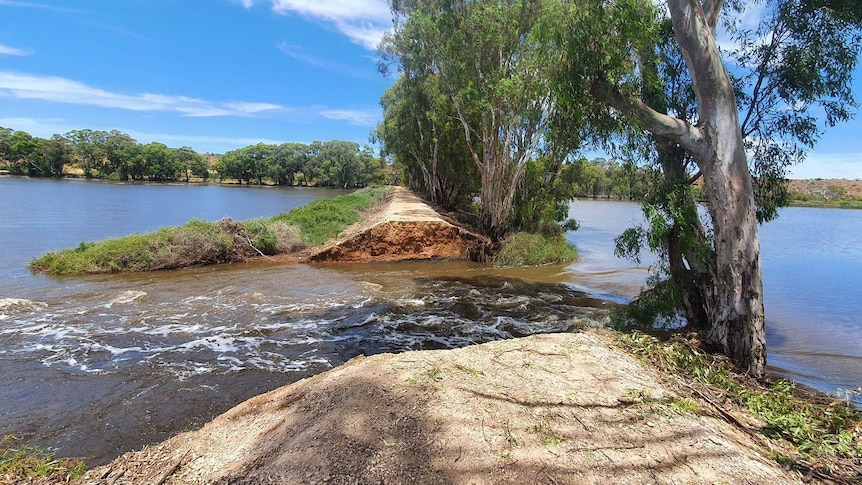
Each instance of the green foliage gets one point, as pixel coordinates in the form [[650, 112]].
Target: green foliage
[[20, 463], [113, 155], [271, 236], [422, 135], [324, 219], [613, 179], [49, 157], [481, 70], [117, 156], [287, 160], [794, 68], [818, 428], [832, 204], [196, 242], [671, 217], [202, 242], [261, 236], [542, 200], [525, 249], [657, 308], [834, 197], [330, 164]]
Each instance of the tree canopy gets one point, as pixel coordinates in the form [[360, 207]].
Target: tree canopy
[[118, 156], [529, 83]]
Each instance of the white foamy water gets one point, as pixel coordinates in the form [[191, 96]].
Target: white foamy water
[[126, 297]]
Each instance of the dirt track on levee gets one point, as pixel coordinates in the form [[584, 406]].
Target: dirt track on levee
[[402, 227]]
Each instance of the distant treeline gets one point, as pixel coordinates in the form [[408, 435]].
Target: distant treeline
[[117, 156], [624, 180], [613, 179], [324, 164]]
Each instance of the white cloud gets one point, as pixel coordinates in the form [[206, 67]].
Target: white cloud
[[367, 117], [62, 90], [829, 166], [252, 108], [299, 54], [14, 51], [374, 10], [363, 21], [212, 144], [44, 127]]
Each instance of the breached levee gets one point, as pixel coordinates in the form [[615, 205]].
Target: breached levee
[[403, 228]]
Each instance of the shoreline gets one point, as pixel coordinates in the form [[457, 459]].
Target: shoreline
[[370, 225], [814, 204]]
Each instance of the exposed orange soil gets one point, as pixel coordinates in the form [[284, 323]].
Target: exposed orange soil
[[402, 228]]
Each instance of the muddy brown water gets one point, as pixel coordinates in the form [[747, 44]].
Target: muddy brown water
[[98, 365], [133, 359]]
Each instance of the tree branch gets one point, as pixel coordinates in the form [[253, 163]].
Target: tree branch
[[659, 124], [711, 10]]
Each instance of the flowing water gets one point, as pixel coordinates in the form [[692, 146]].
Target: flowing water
[[97, 365]]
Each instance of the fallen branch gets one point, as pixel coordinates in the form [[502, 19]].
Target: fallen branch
[[173, 468]]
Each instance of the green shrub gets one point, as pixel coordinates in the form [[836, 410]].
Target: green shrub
[[820, 429], [261, 236], [525, 249]]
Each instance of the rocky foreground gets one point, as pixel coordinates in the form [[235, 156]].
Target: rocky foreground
[[557, 408]]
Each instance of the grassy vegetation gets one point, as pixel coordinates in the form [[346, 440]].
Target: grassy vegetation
[[201, 242], [22, 463], [324, 219], [824, 434], [826, 204], [525, 249], [826, 193]]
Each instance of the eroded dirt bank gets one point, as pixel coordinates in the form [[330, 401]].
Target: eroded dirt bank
[[402, 227], [553, 408]]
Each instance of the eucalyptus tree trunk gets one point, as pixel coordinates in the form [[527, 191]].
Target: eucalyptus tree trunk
[[735, 303], [501, 156], [733, 292]]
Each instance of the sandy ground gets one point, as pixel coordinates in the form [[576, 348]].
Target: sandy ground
[[402, 227], [558, 408]]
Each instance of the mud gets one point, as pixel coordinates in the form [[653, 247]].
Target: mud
[[403, 228]]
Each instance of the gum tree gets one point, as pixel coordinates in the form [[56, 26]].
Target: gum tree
[[421, 133], [673, 84], [494, 71]]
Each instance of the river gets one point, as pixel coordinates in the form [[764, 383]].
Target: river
[[94, 366]]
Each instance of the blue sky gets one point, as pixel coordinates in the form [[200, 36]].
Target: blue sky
[[220, 74], [214, 75]]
